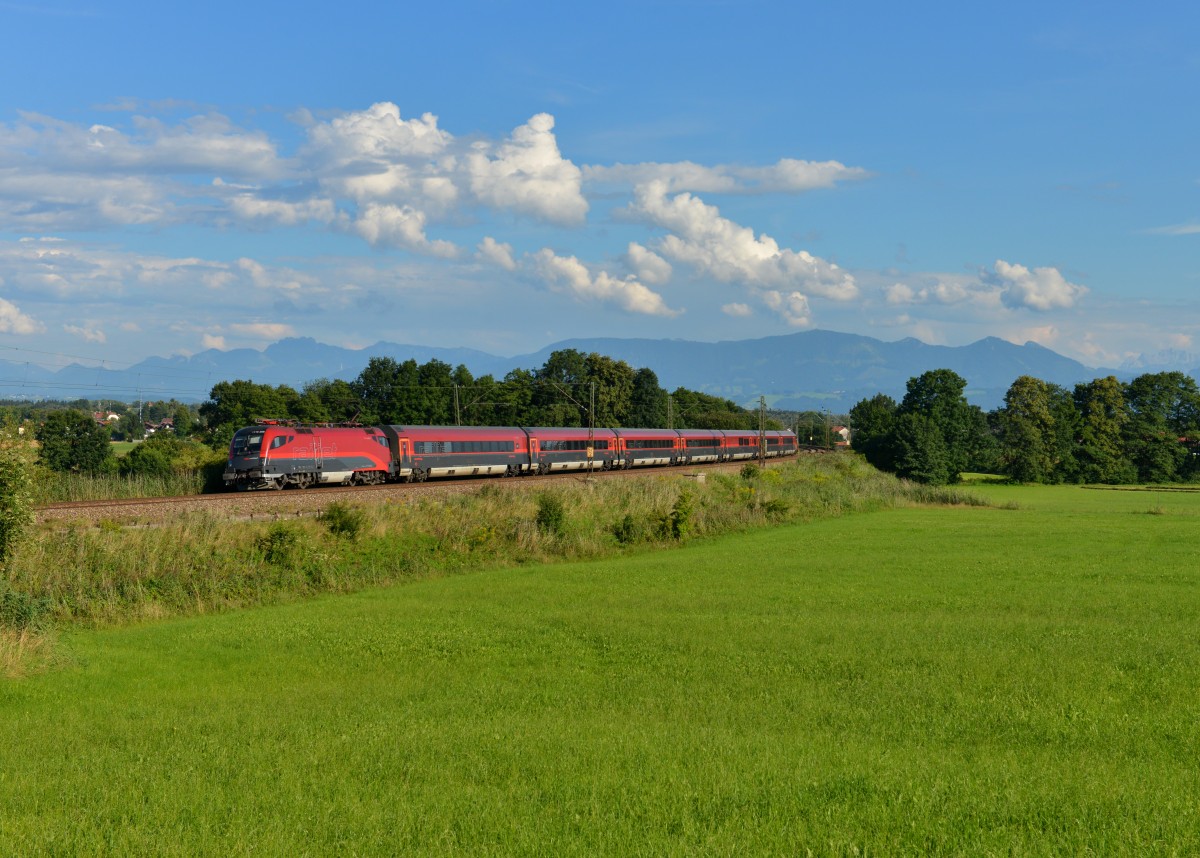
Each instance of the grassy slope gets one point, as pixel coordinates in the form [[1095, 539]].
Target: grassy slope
[[910, 681]]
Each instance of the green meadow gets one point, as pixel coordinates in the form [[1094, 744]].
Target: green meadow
[[1015, 679]]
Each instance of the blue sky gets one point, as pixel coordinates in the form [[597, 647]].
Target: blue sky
[[505, 175]]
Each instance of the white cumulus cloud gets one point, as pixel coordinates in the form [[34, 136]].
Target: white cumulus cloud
[[496, 253], [647, 265], [385, 225], [13, 321], [528, 174], [377, 135], [793, 307], [717, 247], [737, 310], [1037, 289], [733, 253], [567, 274]]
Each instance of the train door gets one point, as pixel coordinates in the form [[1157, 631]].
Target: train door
[[535, 456], [318, 453]]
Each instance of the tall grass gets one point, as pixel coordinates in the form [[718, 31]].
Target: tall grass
[[53, 487], [109, 573], [27, 651]]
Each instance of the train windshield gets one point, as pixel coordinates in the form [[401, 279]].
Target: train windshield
[[247, 442]]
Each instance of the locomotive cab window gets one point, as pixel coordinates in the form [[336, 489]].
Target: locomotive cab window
[[248, 444]]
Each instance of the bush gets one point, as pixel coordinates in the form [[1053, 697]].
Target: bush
[[344, 521], [681, 515], [146, 461], [551, 516], [628, 530], [776, 508], [280, 545], [750, 471], [21, 610], [15, 503]]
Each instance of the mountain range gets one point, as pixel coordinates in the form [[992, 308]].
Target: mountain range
[[817, 370]]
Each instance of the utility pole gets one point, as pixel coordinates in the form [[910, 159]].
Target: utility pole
[[457, 411], [591, 450], [762, 430], [670, 425]]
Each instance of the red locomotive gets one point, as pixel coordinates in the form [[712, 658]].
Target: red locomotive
[[277, 455]]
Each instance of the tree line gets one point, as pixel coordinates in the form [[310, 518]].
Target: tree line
[[570, 389], [1102, 431]]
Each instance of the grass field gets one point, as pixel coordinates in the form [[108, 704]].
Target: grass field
[[122, 448], [944, 680]]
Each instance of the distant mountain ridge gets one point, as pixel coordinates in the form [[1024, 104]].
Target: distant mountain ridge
[[806, 370]]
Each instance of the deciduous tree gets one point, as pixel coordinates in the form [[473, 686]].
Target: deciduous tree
[[1103, 416], [1027, 432], [938, 395], [71, 441], [872, 423]]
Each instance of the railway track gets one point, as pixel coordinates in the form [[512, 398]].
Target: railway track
[[297, 502]]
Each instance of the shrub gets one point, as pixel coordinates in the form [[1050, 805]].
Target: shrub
[[551, 515], [21, 610], [676, 523], [280, 545], [628, 530], [344, 521], [146, 461], [15, 503], [750, 471], [681, 514], [776, 507]]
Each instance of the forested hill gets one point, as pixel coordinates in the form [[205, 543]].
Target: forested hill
[[802, 371]]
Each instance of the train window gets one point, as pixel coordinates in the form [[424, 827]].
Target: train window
[[580, 445], [649, 444], [701, 442], [278, 441], [381, 441], [462, 447]]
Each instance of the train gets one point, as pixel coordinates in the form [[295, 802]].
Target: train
[[281, 454]]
